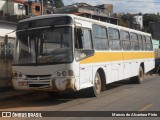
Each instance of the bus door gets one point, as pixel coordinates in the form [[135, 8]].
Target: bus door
[[84, 50]]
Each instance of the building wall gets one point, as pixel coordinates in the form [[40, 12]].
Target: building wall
[[19, 9], [7, 27], [155, 29], [11, 8], [6, 7], [109, 9], [5, 64], [139, 20]]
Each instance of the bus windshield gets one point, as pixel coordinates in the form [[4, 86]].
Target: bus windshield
[[51, 45]]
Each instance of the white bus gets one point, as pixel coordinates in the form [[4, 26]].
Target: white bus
[[62, 52]]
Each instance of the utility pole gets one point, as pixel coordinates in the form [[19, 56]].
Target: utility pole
[[42, 7], [7, 7]]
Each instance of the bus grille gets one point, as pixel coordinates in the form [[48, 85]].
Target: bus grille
[[38, 77]]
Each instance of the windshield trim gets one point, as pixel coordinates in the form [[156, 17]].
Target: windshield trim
[[56, 26], [41, 64]]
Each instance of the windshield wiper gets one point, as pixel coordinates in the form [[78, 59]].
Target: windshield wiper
[[52, 28]]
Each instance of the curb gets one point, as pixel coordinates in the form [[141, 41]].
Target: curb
[[13, 96], [6, 89]]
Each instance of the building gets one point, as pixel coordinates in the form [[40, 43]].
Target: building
[[100, 12], [11, 8], [6, 47], [139, 21], [155, 29]]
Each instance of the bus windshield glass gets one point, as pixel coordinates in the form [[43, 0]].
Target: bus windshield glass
[[51, 45]]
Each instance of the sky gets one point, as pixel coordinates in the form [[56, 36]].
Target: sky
[[124, 6]]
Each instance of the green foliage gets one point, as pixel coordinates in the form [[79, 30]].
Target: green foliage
[[127, 20], [58, 3], [148, 18]]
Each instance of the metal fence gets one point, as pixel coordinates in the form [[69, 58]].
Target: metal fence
[[6, 48]]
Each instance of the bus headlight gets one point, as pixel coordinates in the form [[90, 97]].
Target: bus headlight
[[58, 73], [18, 75], [15, 74], [63, 73]]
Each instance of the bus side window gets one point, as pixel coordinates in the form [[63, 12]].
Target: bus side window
[[134, 40], [144, 42], [114, 39], [126, 43], [83, 44], [78, 40], [149, 43], [83, 40], [140, 42], [100, 37]]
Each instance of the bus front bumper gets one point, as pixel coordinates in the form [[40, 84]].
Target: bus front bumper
[[54, 84]]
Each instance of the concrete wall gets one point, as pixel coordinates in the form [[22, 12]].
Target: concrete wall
[[6, 7], [7, 27], [11, 8], [5, 73], [5, 65]]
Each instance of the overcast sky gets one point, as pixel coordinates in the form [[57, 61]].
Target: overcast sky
[[126, 6]]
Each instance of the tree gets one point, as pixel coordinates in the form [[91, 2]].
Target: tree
[[127, 20], [147, 18], [58, 3]]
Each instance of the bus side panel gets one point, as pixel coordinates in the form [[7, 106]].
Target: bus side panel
[[109, 73], [117, 70], [86, 75], [148, 61], [127, 57], [138, 58]]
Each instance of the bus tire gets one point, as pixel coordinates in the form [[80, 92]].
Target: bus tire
[[53, 94], [97, 87], [138, 79]]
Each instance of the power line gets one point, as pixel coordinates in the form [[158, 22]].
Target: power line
[[135, 1], [143, 1]]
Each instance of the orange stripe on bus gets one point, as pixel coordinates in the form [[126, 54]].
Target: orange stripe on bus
[[116, 56]]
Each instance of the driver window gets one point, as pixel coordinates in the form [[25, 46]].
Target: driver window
[[83, 40]]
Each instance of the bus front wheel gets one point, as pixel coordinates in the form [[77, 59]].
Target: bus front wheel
[[96, 89]]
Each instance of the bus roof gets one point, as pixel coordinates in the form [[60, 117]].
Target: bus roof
[[85, 19]]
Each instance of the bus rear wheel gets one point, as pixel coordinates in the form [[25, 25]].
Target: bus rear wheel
[[140, 78], [97, 87]]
